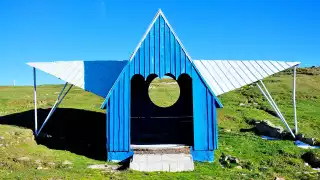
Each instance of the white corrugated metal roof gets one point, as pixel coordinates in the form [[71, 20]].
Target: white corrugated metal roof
[[221, 75], [69, 71], [226, 75]]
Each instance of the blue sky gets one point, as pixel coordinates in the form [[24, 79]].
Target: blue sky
[[43, 30]]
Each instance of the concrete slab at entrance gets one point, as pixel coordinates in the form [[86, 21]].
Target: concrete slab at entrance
[[162, 162]]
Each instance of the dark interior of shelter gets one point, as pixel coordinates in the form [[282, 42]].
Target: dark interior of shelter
[[151, 124]]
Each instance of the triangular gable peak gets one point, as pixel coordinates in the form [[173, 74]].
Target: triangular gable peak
[[160, 52], [159, 17]]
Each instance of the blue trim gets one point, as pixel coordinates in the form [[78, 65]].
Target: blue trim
[[119, 156], [202, 156]]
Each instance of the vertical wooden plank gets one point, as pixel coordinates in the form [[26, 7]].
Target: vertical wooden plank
[[215, 124], [111, 123], [141, 59], [172, 54], [116, 119], [137, 62], [108, 125], [126, 117], [162, 48], [151, 54], [146, 56], [131, 69], [183, 61], [188, 66], [157, 47], [178, 59], [199, 113], [167, 49], [210, 121], [129, 114], [121, 115]]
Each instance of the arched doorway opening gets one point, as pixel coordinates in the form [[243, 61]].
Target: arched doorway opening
[[161, 110]]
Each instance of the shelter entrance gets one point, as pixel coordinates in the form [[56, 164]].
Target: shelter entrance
[[161, 110]]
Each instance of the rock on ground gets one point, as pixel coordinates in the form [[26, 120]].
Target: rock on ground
[[310, 141], [66, 162], [268, 129], [227, 160], [311, 159], [40, 167], [104, 167], [23, 159]]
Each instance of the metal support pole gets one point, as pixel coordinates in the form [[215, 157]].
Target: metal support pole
[[271, 103], [294, 99], [65, 85], [56, 104], [35, 101], [283, 120], [270, 97]]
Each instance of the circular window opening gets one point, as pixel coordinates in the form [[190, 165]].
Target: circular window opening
[[164, 92]]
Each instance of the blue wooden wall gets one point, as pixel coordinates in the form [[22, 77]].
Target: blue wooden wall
[[161, 54]]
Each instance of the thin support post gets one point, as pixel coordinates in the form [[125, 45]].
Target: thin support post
[[270, 102], [294, 100], [56, 104], [35, 101], [273, 102]]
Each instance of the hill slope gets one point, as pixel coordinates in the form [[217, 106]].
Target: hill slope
[[22, 157]]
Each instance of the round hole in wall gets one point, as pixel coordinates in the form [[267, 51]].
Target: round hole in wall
[[164, 92]]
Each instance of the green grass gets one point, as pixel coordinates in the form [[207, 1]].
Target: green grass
[[280, 158]]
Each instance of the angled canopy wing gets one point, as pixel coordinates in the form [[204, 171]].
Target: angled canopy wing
[[97, 77], [226, 75]]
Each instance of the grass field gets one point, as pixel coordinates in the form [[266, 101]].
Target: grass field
[[20, 155]]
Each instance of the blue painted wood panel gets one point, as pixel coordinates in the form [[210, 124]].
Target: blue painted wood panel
[[161, 48], [160, 54], [167, 48], [100, 76], [157, 47]]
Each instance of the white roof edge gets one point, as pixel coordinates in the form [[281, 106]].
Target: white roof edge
[[145, 34], [175, 35], [30, 63], [292, 63], [296, 62]]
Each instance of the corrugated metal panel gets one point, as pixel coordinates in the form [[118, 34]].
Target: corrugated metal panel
[[226, 75], [69, 71]]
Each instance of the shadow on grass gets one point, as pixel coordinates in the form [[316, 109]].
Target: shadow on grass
[[79, 131]]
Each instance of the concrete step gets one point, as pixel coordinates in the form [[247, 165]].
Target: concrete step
[[161, 149], [162, 162]]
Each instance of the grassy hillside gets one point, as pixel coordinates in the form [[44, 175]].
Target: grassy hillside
[[21, 156]]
